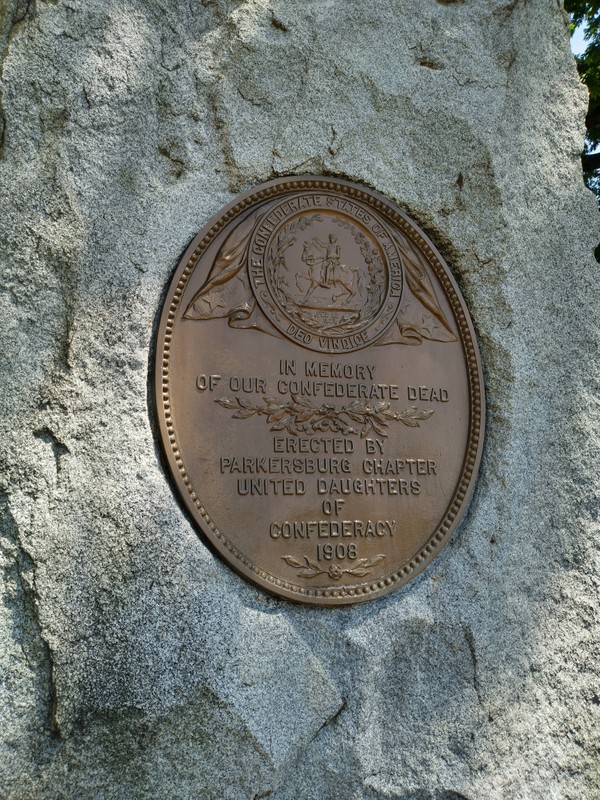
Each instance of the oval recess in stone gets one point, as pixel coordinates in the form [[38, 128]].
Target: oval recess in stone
[[319, 391]]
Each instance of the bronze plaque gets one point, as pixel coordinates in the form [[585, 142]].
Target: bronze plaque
[[319, 391]]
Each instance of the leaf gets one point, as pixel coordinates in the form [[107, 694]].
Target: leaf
[[359, 572], [244, 413], [380, 407], [425, 414], [413, 413], [354, 417], [226, 402], [355, 405], [281, 425], [304, 416], [376, 559], [379, 428], [292, 561], [245, 403], [380, 419], [411, 423], [312, 564], [275, 416], [307, 573]]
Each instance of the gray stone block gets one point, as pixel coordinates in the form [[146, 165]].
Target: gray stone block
[[133, 664]]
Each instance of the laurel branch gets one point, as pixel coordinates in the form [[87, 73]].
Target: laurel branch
[[299, 417], [310, 569]]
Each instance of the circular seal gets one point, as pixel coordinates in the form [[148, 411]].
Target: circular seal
[[326, 272], [319, 392]]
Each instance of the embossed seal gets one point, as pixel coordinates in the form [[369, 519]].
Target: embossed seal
[[319, 391], [331, 279]]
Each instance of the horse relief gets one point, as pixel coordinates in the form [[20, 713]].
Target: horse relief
[[325, 271]]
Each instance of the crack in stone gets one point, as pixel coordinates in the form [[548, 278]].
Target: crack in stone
[[59, 449], [23, 11], [35, 647], [473, 653], [223, 137]]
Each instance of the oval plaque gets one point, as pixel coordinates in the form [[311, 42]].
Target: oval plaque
[[319, 391]]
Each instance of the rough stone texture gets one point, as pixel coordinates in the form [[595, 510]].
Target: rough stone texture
[[133, 664]]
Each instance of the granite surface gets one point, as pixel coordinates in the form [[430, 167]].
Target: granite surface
[[133, 664]]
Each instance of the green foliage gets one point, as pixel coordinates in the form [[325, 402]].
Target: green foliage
[[587, 14]]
